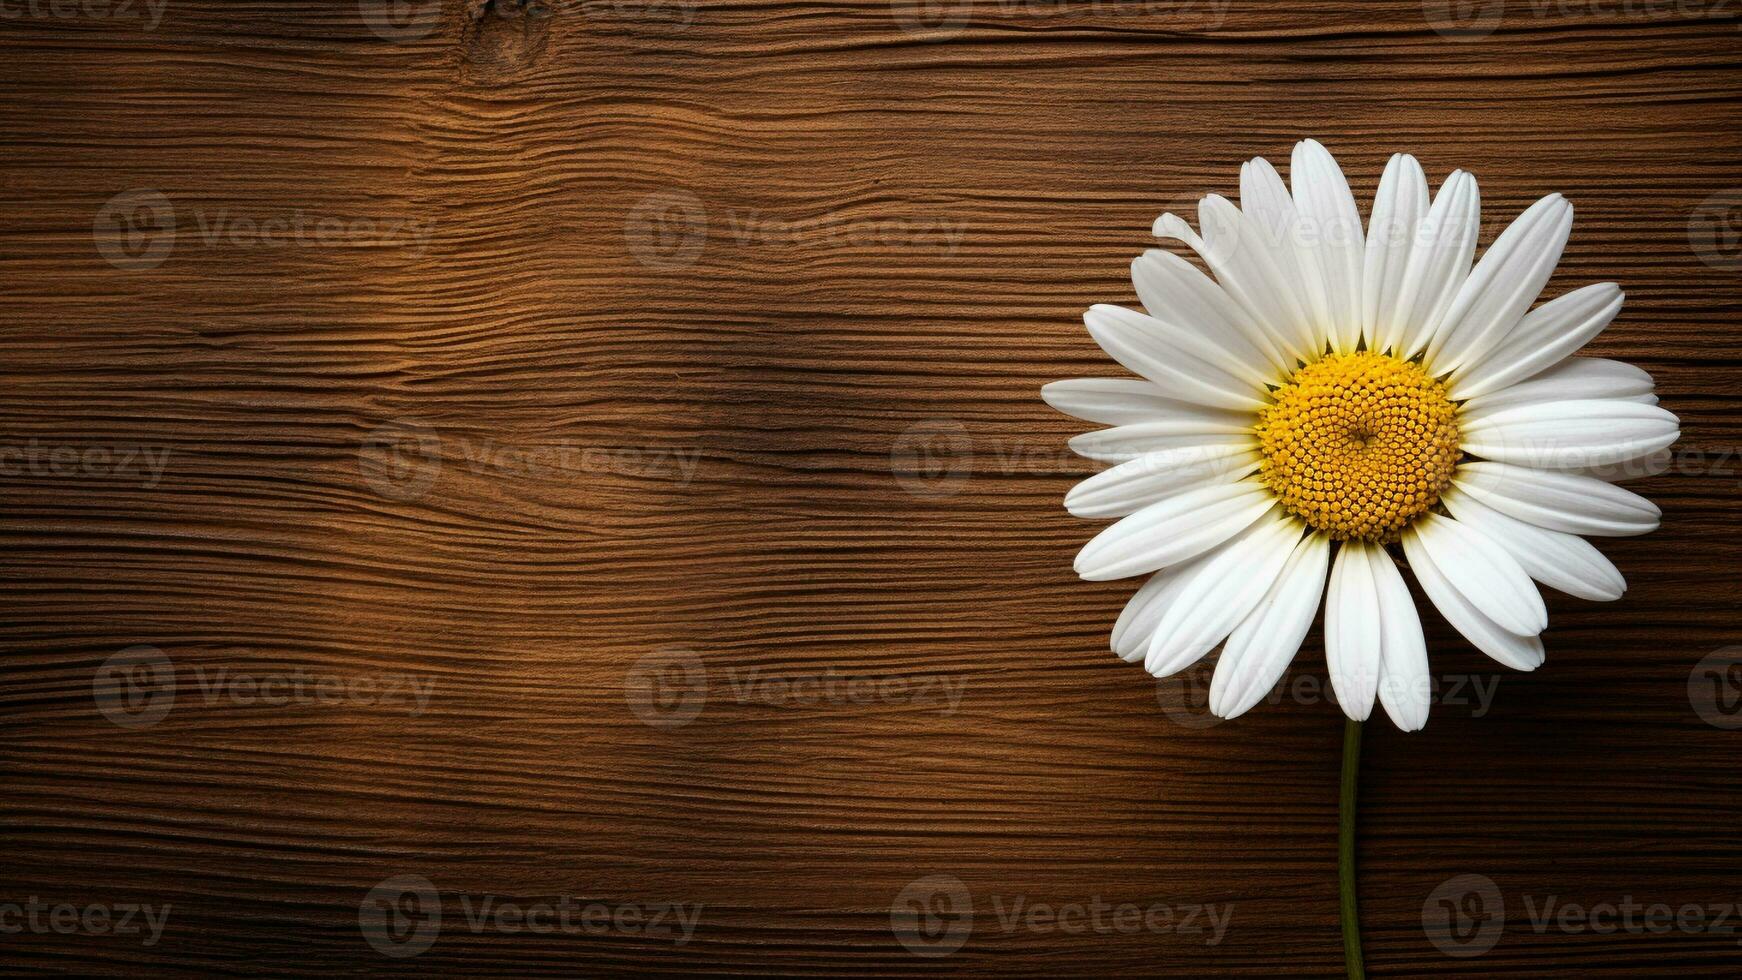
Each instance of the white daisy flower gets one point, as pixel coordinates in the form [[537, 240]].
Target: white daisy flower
[[1336, 396]]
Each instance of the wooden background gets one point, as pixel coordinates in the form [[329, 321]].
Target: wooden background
[[607, 361]]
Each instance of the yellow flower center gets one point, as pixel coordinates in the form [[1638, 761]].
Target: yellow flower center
[[1358, 445]]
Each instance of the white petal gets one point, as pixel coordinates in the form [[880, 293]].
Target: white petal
[[1260, 648], [1551, 332], [1398, 211], [1136, 623], [1114, 401], [1175, 291], [1517, 652], [1555, 558], [1224, 351], [1172, 530], [1333, 247], [1558, 501], [1127, 442], [1439, 260], [1565, 435], [1484, 573], [1179, 229], [1218, 598], [1244, 267], [1265, 200], [1405, 689], [1186, 368], [1503, 286], [1352, 630], [1637, 468], [1573, 378], [1131, 486], [1182, 364]]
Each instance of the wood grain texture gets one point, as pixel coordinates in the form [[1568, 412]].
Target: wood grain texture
[[508, 354]]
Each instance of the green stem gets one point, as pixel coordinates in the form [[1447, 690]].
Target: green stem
[[1346, 850]]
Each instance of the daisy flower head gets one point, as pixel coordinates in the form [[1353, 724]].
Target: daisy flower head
[[1332, 398]]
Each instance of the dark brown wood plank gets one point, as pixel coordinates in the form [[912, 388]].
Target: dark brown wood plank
[[649, 300]]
